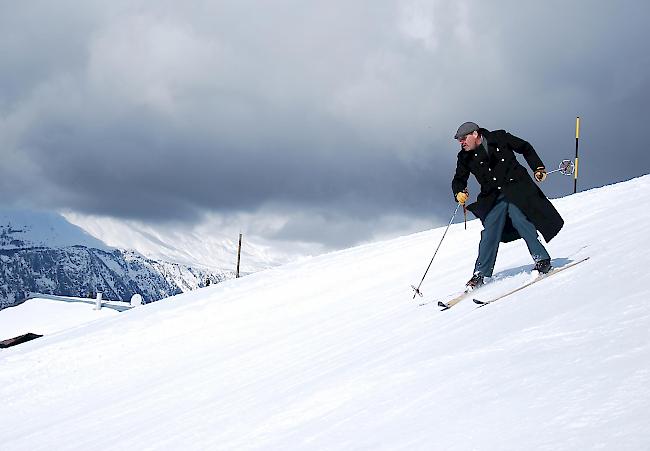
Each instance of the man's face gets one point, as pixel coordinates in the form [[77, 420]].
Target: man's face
[[470, 142]]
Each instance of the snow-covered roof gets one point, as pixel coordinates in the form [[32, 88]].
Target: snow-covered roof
[[46, 314]]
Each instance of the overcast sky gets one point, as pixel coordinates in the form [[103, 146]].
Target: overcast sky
[[325, 122]]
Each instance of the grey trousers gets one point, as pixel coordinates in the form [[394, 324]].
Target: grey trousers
[[491, 236]]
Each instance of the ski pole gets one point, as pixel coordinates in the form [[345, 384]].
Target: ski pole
[[417, 290]]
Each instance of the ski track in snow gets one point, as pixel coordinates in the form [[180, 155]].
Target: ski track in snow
[[333, 353]]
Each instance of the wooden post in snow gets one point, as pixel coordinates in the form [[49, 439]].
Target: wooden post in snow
[[238, 255]]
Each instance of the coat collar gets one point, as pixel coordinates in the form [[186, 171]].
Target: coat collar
[[488, 136]]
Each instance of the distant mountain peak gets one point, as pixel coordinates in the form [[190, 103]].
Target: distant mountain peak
[[21, 229]]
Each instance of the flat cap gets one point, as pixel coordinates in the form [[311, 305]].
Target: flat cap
[[466, 129]]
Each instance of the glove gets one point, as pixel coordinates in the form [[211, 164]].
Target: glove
[[540, 174], [462, 197]]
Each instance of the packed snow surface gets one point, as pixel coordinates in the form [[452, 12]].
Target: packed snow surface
[[333, 353]]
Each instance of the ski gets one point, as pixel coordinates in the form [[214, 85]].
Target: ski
[[440, 303], [537, 279], [446, 305], [453, 301], [459, 297]]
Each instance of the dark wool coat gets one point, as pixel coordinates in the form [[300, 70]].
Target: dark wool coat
[[500, 172]]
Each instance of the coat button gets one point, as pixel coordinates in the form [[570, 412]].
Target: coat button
[[494, 178], [503, 159], [498, 187], [490, 169]]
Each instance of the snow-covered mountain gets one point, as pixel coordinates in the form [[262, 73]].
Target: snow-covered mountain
[[333, 353], [84, 271], [42, 252]]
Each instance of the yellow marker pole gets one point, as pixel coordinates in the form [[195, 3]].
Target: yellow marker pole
[[575, 167]]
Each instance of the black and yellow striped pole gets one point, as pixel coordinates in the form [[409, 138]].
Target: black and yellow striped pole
[[575, 166]]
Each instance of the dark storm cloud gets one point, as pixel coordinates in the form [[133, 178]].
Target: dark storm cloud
[[340, 112]]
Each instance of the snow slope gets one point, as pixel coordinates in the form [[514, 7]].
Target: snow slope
[[333, 353]]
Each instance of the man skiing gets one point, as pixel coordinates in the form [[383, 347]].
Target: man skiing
[[510, 205]]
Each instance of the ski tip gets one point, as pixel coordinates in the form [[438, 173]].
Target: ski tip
[[442, 304], [476, 301]]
